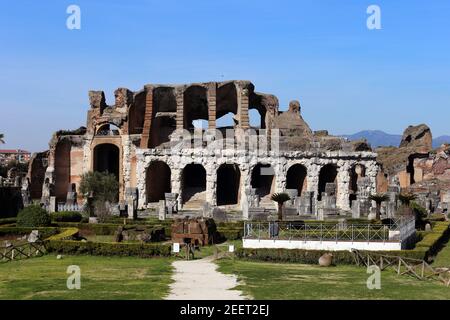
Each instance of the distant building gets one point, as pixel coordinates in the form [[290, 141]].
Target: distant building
[[19, 155]]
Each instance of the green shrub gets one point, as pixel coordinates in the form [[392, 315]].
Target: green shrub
[[66, 216], [33, 216], [45, 232], [143, 250], [6, 221], [231, 233]]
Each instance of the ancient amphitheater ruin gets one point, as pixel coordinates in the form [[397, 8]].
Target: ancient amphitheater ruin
[[149, 139]]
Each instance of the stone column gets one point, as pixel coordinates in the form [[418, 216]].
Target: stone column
[[176, 177], [141, 166], [211, 183], [372, 169], [312, 180], [343, 186], [244, 185], [212, 102], [280, 174]]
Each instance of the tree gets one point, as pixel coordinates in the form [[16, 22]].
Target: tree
[[280, 199], [2, 138], [407, 198], [98, 188], [379, 198]]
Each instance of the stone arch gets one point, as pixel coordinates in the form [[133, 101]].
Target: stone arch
[[62, 169], [263, 179], [158, 181], [328, 174], [108, 129], [193, 185], [107, 159], [228, 184], [163, 115], [357, 172], [195, 105], [136, 114], [296, 178]]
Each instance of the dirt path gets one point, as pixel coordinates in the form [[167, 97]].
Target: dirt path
[[199, 280]]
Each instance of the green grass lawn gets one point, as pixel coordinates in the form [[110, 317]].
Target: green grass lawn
[[263, 280], [101, 278]]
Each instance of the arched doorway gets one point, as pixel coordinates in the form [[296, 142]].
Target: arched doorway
[[158, 181], [262, 179], [194, 185], [328, 174], [357, 172], [62, 170], [228, 182], [106, 159], [296, 178]]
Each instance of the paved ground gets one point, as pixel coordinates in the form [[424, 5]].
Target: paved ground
[[199, 280]]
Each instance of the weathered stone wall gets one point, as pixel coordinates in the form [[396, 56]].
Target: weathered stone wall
[[247, 161]]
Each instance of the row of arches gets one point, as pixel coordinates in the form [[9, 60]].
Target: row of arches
[[106, 158], [193, 181]]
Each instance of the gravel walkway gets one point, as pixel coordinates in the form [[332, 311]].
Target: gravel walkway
[[200, 280]]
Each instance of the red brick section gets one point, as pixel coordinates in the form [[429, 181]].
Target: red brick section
[[180, 109], [148, 117], [244, 119], [212, 101]]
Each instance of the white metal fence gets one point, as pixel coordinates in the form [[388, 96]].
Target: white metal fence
[[397, 231]]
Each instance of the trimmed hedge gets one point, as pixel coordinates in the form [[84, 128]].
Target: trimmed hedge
[[44, 231], [66, 216], [231, 234], [433, 240], [143, 250], [66, 234], [312, 256], [7, 221]]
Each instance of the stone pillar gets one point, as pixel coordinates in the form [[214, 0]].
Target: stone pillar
[[343, 186], [372, 172], [244, 185], [148, 118], [212, 102], [280, 174], [211, 184], [176, 184], [312, 179], [141, 182], [180, 108]]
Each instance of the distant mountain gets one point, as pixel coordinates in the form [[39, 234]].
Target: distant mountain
[[437, 142], [378, 138]]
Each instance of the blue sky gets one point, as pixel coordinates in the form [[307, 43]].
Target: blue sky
[[347, 78]]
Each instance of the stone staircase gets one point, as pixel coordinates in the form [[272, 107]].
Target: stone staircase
[[195, 198], [266, 202]]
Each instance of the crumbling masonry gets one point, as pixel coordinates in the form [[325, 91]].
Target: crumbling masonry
[[137, 139]]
